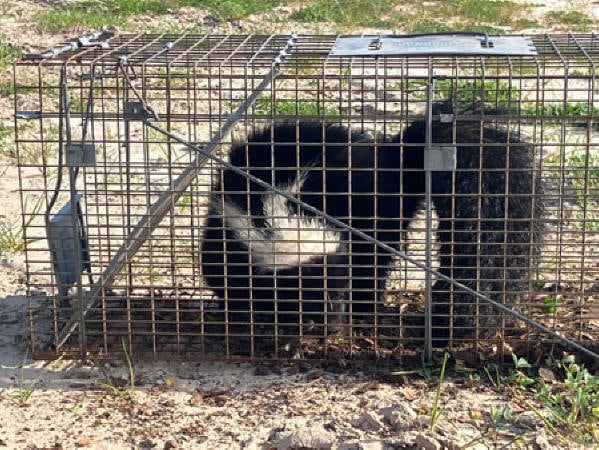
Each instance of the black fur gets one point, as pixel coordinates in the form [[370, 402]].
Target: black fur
[[488, 213], [485, 212]]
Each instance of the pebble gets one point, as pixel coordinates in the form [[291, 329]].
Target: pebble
[[171, 444], [527, 419], [301, 433], [426, 442], [401, 417], [369, 421]]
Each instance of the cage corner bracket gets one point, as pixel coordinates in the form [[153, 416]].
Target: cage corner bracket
[[80, 155], [136, 110]]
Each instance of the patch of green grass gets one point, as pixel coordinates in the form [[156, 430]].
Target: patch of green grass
[[98, 13], [425, 371], [436, 410], [4, 133], [125, 392], [550, 303], [584, 170], [569, 112], [573, 402], [500, 417], [492, 94], [526, 22], [572, 19], [25, 389], [231, 9], [351, 13], [6, 88], [8, 52], [572, 399], [470, 15], [431, 25], [12, 231], [476, 93], [580, 173], [477, 15], [264, 106], [95, 14], [496, 12], [11, 236]]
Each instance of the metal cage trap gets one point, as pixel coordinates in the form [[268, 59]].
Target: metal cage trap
[[278, 197]]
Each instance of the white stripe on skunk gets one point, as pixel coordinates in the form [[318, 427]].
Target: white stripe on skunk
[[287, 238]]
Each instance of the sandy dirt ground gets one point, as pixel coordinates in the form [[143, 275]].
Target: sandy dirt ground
[[69, 404]]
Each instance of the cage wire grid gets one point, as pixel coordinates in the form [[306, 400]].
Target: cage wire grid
[[123, 143]]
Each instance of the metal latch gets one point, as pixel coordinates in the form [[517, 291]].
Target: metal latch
[[456, 43], [440, 158], [137, 110], [80, 155]]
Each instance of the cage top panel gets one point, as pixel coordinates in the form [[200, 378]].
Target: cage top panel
[[190, 50]]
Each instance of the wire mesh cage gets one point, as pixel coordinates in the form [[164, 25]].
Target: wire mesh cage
[[260, 197]]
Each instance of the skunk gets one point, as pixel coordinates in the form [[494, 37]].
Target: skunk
[[273, 262]]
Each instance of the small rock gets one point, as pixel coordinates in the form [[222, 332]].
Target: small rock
[[400, 416], [369, 421], [547, 375], [422, 420], [527, 419], [171, 444], [301, 433], [426, 442], [196, 399]]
